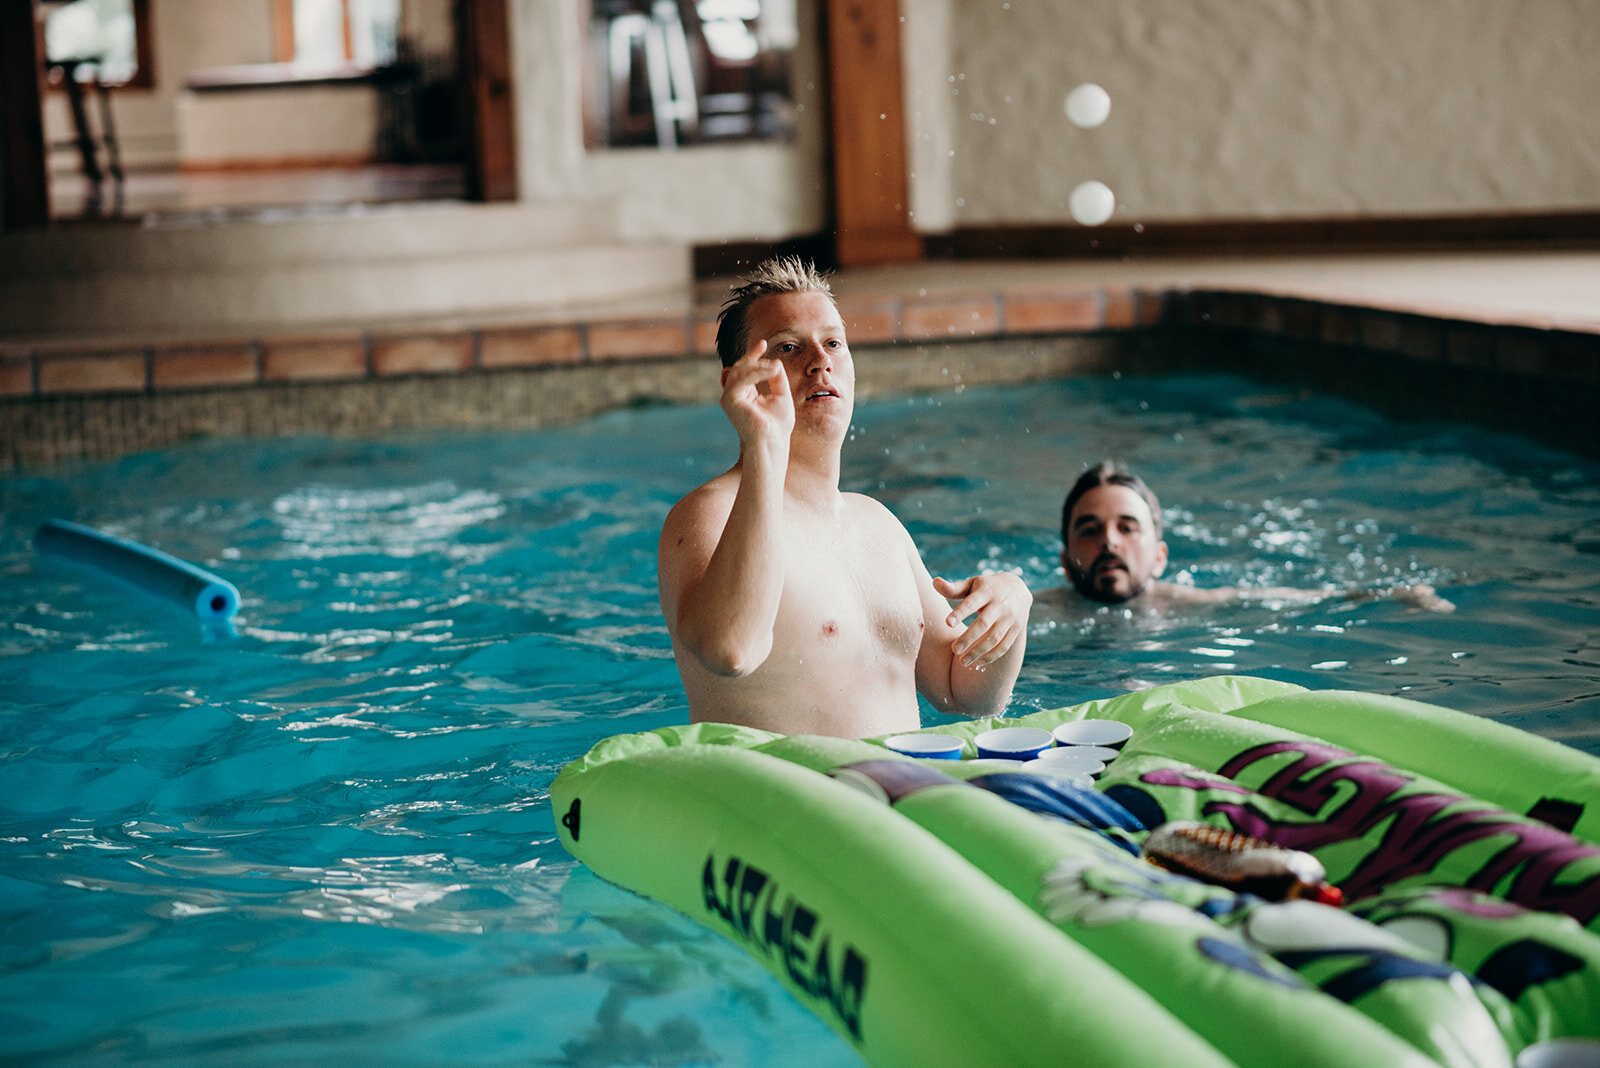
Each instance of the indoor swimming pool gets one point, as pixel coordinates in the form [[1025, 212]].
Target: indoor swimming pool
[[326, 835]]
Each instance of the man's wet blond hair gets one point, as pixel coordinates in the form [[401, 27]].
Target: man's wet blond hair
[[784, 274]]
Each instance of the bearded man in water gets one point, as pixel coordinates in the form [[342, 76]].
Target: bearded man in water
[[1113, 554], [795, 607]]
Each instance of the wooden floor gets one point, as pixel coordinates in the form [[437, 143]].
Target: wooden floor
[[236, 193]]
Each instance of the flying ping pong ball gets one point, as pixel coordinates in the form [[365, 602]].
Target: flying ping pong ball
[[1088, 105], [1092, 203]]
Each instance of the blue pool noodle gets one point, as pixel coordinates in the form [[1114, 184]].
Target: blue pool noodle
[[213, 599]]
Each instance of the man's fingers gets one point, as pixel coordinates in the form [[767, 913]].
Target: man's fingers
[[752, 375], [990, 646], [969, 603], [983, 630], [748, 371], [996, 626], [774, 379], [968, 606]]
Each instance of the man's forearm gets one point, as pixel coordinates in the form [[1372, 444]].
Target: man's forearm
[[985, 691]]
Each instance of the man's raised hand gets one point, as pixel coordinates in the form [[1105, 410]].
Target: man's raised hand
[[756, 397]]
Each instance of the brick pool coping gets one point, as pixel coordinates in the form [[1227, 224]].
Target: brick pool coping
[[64, 401]]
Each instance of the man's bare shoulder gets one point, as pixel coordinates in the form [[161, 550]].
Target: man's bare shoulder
[[694, 524], [709, 499], [861, 506], [1159, 597], [1162, 594], [872, 514], [1156, 597]]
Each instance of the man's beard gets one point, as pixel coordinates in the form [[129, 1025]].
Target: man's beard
[[1083, 582]]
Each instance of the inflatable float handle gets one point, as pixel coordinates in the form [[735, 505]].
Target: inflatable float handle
[[213, 599]]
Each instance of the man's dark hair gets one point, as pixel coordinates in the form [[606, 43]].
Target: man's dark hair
[[1106, 473], [787, 274]]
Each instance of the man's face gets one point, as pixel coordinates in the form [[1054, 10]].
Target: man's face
[[1112, 551], [803, 331]]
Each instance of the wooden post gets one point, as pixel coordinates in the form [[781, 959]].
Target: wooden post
[[483, 29], [24, 184], [871, 216]]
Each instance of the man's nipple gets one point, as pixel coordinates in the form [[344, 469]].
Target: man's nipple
[[830, 629]]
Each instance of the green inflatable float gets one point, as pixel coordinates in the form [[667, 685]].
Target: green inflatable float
[[973, 912]]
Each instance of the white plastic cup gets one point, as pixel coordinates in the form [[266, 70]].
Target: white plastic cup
[[987, 765], [1013, 743], [927, 746], [1103, 753], [1107, 732], [1070, 760]]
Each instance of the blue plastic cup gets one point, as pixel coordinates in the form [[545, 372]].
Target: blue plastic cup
[[1013, 743], [927, 746]]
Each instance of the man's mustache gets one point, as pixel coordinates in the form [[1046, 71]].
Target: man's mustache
[[1107, 557]]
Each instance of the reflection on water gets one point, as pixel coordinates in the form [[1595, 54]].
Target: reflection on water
[[329, 835]]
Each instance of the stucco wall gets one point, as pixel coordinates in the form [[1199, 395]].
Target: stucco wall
[[1253, 109], [699, 195]]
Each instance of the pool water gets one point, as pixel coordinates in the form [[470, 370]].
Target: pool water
[[328, 835]]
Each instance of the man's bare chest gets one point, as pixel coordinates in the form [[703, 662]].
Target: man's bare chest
[[855, 596]]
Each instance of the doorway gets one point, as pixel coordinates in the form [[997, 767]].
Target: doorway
[[238, 107]]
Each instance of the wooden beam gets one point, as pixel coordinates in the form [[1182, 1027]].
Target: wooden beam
[[24, 183], [871, 214], [483, 32], [1273, 237], [144, 48], [283, 31]]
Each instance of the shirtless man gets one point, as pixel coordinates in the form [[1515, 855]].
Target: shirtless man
[[794, 607], [1113, 554]]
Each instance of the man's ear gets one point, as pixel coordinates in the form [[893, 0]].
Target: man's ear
[[724, 379], [1064, 565], [1161, 560]]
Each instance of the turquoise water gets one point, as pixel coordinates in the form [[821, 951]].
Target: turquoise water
[[328, 835]]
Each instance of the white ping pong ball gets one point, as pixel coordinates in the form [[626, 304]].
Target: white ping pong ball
[[1088, 105], [1092, 203]]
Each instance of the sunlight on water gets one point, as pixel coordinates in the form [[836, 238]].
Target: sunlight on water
[[328, 836]]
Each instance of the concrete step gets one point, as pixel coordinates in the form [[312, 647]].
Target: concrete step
[[203, 240], [313, 271]]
